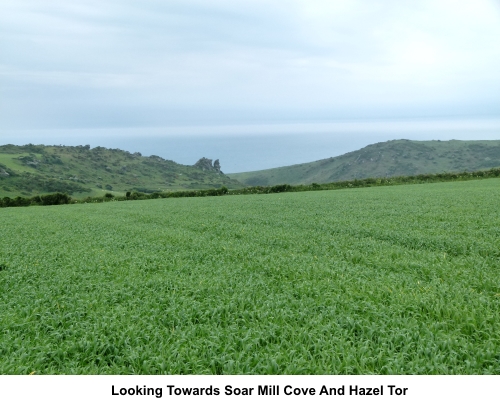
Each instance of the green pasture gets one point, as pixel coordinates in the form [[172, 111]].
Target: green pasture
[[12, 161], [384, 280]]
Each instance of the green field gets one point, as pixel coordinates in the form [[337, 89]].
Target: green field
[[385, 280]]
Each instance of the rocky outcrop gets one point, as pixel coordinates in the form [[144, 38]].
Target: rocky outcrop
[[217, 166], [3, 173], [206, 165]]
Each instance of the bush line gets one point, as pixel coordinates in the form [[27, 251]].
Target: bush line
[[61, 198]]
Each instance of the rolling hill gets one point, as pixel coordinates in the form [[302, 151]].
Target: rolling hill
[[384, 159], [81, 171]]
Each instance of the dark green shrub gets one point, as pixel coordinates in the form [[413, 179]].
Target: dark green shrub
[[52, 199], [280, 188], [21, 202], [5, 202]]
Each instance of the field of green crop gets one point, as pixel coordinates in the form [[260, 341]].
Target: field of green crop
[[386, 280]]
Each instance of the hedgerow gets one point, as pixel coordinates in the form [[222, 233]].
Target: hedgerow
[[281, 188]]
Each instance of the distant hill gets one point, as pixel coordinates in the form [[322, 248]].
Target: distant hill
[[384, 159], [81, 170]]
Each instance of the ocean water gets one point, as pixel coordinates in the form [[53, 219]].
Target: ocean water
[[256, 147]]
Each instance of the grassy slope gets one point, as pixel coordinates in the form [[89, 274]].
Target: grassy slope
[[81, 171], [391, 280], [394, 158]]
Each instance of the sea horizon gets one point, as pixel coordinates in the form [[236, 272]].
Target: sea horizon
[[251, 147]]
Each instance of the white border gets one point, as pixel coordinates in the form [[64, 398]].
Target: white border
[[98, 389]]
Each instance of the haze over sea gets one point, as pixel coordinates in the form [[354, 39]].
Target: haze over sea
[[256, 84], [255, 147]]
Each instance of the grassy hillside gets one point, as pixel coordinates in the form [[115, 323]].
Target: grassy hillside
[[385, 159], [37, 169], [386, 280]]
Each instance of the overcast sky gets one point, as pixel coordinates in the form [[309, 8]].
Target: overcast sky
[[155, 63]]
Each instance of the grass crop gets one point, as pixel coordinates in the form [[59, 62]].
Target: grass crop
[[384, 280]]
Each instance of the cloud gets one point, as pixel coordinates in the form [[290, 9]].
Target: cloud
[[101, 62]]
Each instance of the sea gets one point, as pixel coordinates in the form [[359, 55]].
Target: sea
[[242, 148]]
